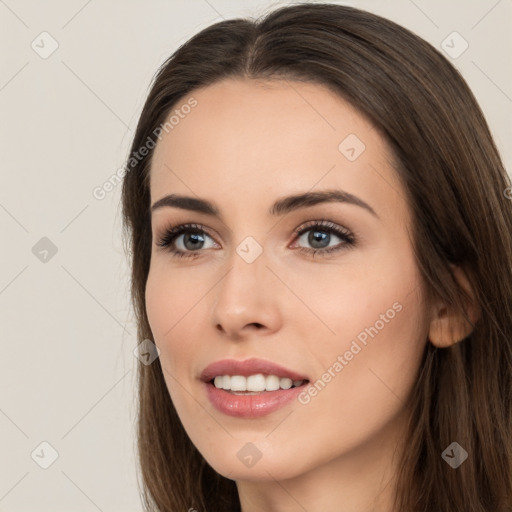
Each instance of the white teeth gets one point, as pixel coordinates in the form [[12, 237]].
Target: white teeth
[[238, 383], [285, 383], [254, 383], [272, 383]]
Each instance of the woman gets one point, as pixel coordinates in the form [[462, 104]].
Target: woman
[[320, 231]]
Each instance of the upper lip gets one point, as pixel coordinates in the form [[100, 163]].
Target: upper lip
[[247, 367]]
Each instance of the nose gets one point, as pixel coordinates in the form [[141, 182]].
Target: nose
[[246, 300]]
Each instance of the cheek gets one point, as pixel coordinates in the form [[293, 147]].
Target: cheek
[[170, 296], [366, 370], [381, 326], [373, 289], [169, 303], [372, 315]]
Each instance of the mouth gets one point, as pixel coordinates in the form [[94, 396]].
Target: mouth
[[249, 404], [251, 388]]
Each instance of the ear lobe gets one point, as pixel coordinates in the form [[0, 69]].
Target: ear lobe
[[447, 325]]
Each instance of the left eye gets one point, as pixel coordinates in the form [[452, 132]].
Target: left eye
[[318, 236]]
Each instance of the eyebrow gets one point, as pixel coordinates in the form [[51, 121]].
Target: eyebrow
[[281, 207]]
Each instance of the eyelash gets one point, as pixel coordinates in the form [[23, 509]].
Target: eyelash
[[349, 240]]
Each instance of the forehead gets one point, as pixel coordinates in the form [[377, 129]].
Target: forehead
[[266, 139]]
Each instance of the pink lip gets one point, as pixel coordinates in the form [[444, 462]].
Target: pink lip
[[246, 368], [249, 406]]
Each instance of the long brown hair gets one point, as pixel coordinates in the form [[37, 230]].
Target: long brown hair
[[456, 186]]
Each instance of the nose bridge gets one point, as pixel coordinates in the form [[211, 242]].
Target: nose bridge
[[245, 294], [247, 271]]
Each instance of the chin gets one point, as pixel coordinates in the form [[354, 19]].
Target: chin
[[248, 463]]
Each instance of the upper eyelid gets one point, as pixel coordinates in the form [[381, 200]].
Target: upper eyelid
[[325, 224]]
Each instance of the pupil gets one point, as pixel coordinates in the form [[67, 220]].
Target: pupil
[[318, 236], [194, 237]]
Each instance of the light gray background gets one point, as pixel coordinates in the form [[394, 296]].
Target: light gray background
[[67, 369]]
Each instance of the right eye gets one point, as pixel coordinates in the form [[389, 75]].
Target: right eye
[[188, 246]]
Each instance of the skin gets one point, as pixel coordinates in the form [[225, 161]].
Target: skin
[[246, 144]]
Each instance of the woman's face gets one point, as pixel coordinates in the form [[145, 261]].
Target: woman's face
[[350, 321]]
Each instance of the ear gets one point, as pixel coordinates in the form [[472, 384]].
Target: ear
[[447, 325]]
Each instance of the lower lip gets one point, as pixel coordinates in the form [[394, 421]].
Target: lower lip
[[251, 406]]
